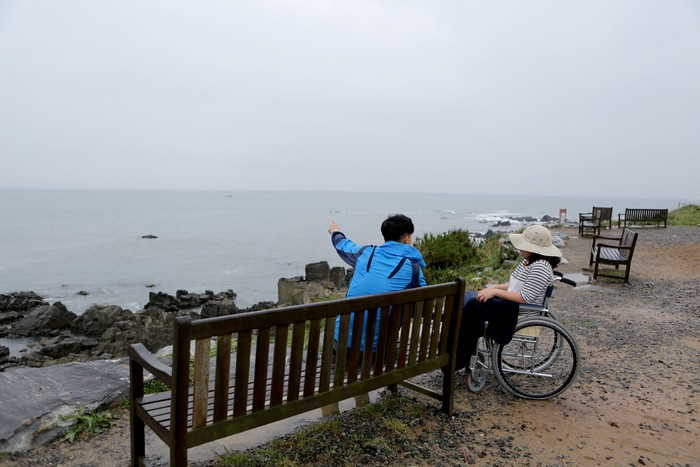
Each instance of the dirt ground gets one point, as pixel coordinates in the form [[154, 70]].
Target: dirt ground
[[635, 401]]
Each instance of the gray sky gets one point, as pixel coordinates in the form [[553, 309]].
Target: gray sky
[[518, 97]]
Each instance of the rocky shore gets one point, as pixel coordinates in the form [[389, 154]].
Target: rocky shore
[[57, 335]]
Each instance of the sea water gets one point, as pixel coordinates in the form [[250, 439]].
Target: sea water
[[58, 243]]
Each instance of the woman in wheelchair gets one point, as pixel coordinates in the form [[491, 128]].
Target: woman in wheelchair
[[529, 282], [532, 356], [498, 304]]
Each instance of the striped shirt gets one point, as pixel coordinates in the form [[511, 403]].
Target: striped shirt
[[531, 281]]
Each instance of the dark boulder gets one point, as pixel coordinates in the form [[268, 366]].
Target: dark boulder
[[337, 276], [547, 218], [4, 354], [20, 301], [149, 237], [348, 275], [62, 348], [97, 319], [162, 301], [317, 272], [502, 224], [218, 308], [44, 320], [10, 316], [259, 307]]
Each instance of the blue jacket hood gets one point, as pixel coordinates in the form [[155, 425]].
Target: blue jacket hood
[[402, 250]]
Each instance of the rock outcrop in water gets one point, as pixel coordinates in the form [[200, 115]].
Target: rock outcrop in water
[[320, 283]]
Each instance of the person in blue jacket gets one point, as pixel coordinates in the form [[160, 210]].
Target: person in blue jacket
[[394, 265]]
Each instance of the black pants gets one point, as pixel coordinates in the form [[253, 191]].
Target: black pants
[[502, 316]]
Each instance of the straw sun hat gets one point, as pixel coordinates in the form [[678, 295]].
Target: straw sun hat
[[535, 239]]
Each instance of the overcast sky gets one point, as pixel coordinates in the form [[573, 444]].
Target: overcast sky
[[556, 97]]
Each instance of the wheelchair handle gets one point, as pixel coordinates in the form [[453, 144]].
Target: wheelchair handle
[[567, 281]]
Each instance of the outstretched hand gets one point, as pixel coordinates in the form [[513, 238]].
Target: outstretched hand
[[333, 227]]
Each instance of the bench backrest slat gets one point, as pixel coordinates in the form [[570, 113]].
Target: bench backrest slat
[[262, 355], [312, 357], [240, 395], [201, 382], [295, 360], [354, 357], [415, 332], [437, 323], [369, 343], [279, 361], [223, 368], [446, 319], [393, 337], [406, 314], [380, 355], [327, 356], [428, 308]]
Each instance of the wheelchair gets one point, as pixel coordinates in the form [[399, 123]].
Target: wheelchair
[[540, 362]]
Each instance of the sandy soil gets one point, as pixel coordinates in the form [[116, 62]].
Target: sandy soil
[[635, 401]]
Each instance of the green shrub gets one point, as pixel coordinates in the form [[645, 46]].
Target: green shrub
[[446, 250], [687, 215], [452, 255]]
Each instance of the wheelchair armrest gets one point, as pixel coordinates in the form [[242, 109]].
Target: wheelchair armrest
[[525, 308]]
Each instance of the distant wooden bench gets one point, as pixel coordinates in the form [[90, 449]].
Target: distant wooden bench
[[615, 254], [643, 217], [591, 222], [417, 334]]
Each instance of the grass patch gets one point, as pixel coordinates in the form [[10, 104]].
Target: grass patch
[[153, 386], [376, 433], [87, 422], [687, 215]]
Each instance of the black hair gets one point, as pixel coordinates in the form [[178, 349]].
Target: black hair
[[396, 226], [553, 260]]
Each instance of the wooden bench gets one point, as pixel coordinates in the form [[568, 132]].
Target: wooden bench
[[259, 383], [643, 217], [591, 222], [614, 254]]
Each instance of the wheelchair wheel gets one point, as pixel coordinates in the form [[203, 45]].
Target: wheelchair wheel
[[541, 352], [476, 379], [540, 362]]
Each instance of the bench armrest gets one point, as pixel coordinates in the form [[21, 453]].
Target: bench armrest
[[614, 247], [596, 237], [148, 361]]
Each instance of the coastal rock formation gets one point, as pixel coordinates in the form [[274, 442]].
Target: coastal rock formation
[[20, 301], [218, 308], [35, 399], [97, 319], [43, 320], [339, 277], [184, 300], [317, 272], [4, 354], [320, 283]]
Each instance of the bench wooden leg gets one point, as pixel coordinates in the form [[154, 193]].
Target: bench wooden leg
[[137, 431], [178, 455], [595, 271], [627, 273], [448, 389]]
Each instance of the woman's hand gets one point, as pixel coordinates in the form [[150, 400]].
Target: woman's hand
[[486, 294]]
